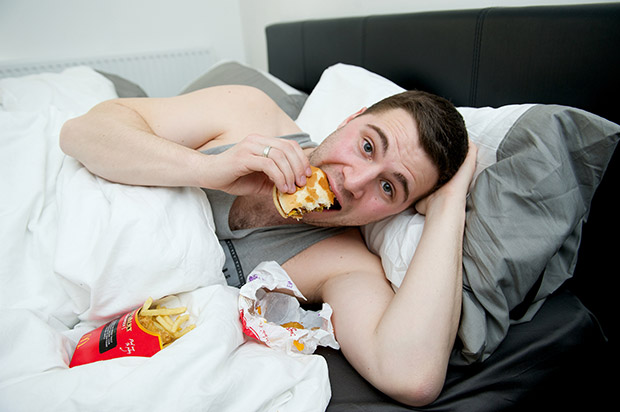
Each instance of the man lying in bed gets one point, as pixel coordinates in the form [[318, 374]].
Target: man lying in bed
[[379, 162]]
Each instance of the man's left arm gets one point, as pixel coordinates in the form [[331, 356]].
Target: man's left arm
[[401, 342]]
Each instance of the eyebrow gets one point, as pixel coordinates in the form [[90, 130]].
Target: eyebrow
[[382, 136], [385, 146], [404, 183]]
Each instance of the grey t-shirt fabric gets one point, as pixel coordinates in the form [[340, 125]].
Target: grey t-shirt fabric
[[246, 248]]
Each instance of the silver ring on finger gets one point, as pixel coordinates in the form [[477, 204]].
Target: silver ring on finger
[[266, 151]]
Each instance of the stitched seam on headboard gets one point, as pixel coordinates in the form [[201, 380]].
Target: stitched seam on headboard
[[473, 89], [303, 56], [363, 40]]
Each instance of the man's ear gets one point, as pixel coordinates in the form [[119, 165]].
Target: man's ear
[[353, 116]]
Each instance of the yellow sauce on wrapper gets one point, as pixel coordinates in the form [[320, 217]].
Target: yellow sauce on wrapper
[[270, 312], [295, 325]]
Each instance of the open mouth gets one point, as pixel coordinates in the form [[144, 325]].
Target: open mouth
[[336, 205]]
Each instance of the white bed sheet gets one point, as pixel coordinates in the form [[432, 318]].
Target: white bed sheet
[[78, 251]]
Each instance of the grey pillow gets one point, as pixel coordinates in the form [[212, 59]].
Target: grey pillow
[[289, 99], [524, 219], [124, 87]]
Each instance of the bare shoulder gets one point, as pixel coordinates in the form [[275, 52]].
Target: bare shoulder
[[216, 115], [337, 257]]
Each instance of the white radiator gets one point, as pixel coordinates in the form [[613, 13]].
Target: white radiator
[[159, 74]]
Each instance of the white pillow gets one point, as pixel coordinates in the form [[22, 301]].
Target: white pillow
[[40, 91], [341, 91], [344, 89]]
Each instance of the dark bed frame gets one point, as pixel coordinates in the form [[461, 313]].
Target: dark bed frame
[[567, 55]]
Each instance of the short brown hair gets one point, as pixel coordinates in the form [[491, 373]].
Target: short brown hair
[[441, 128]]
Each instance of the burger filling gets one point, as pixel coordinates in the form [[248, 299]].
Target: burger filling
[[315, 196]]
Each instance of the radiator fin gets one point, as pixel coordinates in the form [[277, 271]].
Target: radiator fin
[[160, 74]]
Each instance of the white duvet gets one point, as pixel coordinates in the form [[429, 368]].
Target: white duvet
[[77, 251]]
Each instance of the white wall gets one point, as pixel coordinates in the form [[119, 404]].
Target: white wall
[[35, 30], [256, 15], [67, 29]]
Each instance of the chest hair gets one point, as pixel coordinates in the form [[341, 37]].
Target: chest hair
[[249, 212]]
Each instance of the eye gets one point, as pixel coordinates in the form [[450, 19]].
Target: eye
[[387, 188], [367, 147]]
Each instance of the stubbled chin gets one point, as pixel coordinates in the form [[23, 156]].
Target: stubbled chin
[[333, 219], [325, 218]]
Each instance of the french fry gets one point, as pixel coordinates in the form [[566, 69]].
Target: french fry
[[178, 322], [147, 303], [163, 311], [184, 331], [165, 322], [159, 321]]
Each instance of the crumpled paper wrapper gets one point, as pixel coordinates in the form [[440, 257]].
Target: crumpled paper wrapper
[[276, 318]]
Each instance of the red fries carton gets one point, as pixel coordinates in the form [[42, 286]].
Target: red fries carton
[[141, 332]]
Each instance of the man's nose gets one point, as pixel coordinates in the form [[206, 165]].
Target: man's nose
[[358, 178]]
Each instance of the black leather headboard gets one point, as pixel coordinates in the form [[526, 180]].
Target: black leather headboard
[[484, 57], [567, 55]]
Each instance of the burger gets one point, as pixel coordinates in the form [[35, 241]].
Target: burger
[[313, 197]]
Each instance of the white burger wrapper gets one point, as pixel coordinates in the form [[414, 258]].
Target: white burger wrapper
[[263, 311]]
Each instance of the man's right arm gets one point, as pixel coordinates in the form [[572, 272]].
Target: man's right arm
[[155, 142], [114, 141]]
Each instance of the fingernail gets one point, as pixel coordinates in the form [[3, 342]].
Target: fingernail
[[308, 171]]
